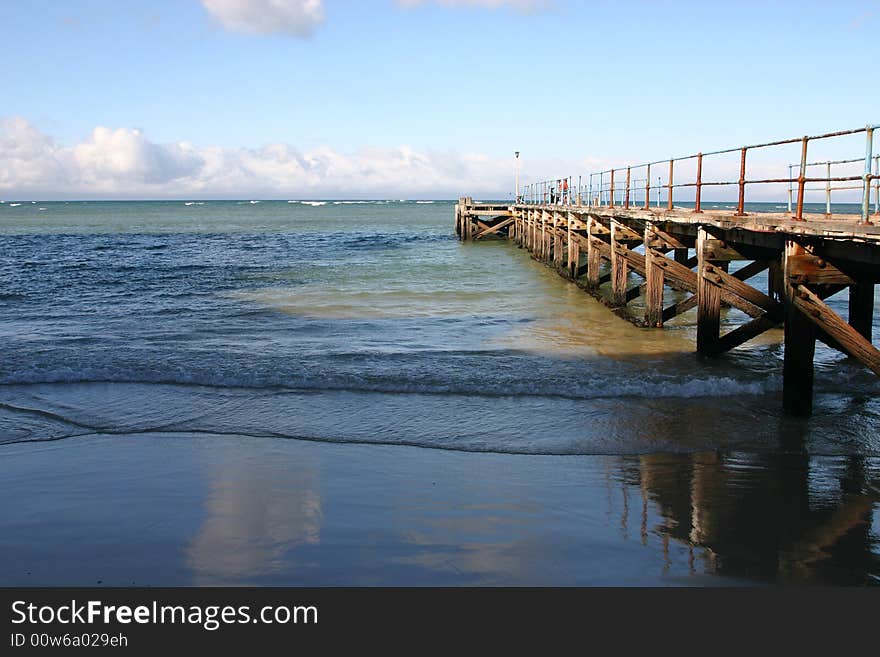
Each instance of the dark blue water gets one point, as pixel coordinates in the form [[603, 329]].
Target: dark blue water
[[360, 322]]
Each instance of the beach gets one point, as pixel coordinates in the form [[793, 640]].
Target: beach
[[199, 510], [340, 393]]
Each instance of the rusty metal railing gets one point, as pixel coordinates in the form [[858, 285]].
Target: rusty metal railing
[[620, 186], [828, 187]]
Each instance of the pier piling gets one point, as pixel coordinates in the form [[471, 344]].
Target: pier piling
[[808, 256]]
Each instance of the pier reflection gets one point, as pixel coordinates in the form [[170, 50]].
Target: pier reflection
[[788, 518], [376, 515]]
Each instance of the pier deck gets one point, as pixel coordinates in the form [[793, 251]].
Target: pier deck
[[808, 257], [807, 261]]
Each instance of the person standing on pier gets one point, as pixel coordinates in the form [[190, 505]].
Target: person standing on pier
[[565, 199]]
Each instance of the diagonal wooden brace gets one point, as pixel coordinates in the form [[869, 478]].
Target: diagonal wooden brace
[[853, 342]]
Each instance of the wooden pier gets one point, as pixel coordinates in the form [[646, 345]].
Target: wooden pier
[[808, 257]]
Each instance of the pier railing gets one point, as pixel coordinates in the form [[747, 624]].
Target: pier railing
[[631, 186]]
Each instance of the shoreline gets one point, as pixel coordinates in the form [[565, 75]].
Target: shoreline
[[198, 510], [453, 422]]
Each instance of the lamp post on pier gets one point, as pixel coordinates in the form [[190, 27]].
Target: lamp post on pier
[[516, 177]]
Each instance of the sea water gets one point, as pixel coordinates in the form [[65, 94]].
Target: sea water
[[369, 322]]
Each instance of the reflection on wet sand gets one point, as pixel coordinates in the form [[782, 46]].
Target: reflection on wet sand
[[743, 517], [788, 518], [704, 517], [255, 513]]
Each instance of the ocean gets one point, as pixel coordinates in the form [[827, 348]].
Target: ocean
[[257, 337]]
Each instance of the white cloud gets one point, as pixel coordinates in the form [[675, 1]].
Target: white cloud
[[123, 163], [298, 18], [126, 156]]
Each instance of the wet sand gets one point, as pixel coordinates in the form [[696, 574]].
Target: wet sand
[[154, 510]]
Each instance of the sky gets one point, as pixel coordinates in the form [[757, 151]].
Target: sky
[[408, 98]]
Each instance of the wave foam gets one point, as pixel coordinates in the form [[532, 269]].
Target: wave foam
[[658, 386]]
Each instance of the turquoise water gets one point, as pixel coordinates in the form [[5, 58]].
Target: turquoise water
[[369, 322]]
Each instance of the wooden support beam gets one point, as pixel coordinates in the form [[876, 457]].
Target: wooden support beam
[[490, 213], [745, 332], [635, 292], [536, 232], [775, 282], [654, 279], [821, 315], [678, 308], [533, 231], [773, 315], [719, 250], [594, 256], [861, 308], [708, 301], [800, 345], [598, 228], [624, 233], [494, 229], [539, 236], [603, 247], [744, 291], [797, 370], [821, 336], [558, 249], [670, 241], [619, 268], [677, 275], [574, 249], [681, 257], [807, 268], [544, 250], [635, 260], [751, 269], [823, 292]]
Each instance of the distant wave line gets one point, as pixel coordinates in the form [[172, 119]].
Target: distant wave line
[[692, 388]]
